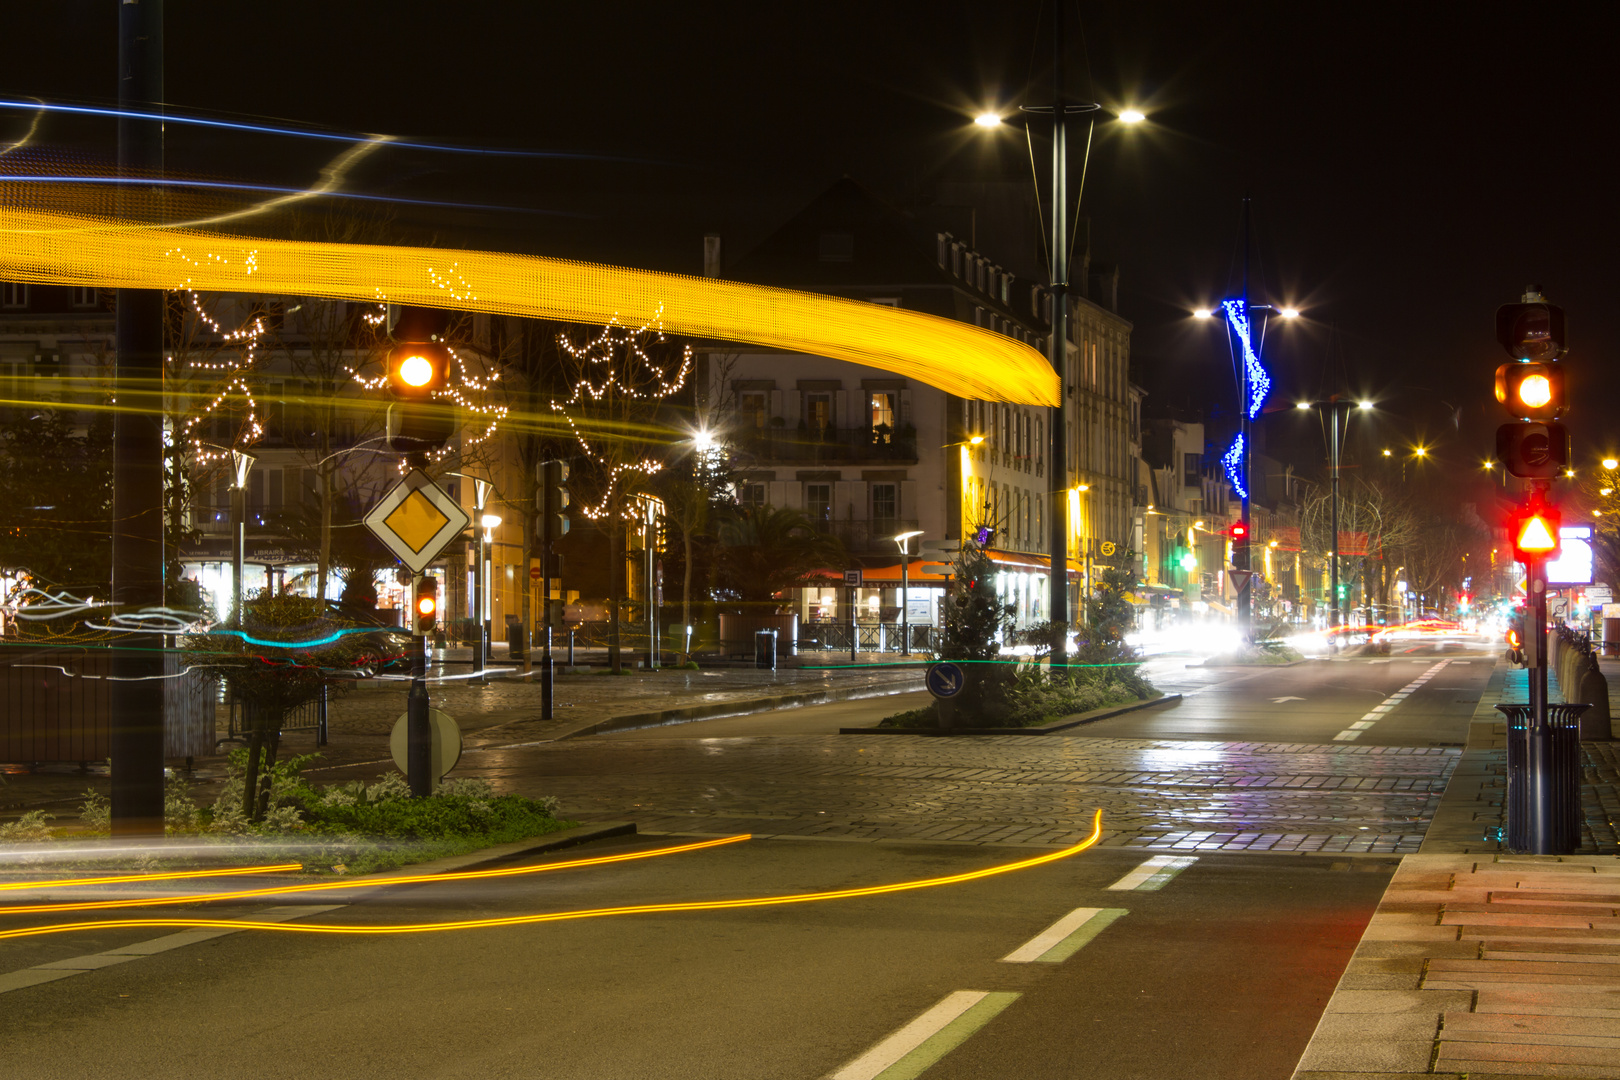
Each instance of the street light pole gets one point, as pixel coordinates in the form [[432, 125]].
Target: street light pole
[[1058, 347], [1335, 616], [904, 540], [480, 495]]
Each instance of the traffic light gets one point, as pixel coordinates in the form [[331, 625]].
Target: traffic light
[[553, 501], [1533, 450], [425, 605], [1532, 391], [1531, 388], [1534, 530], [1239, 531], [418, 370]]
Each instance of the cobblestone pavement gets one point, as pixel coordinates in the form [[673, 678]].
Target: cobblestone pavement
[[1159, 794]]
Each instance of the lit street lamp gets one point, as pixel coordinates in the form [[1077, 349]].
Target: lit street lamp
[[1057, 340], [241, 467], [904, 540]]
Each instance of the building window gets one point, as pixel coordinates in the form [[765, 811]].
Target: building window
[[751, 406], [1192, 469], [818, 411], [885, 504], [751, 494], [818, 502], [14, 295], [883, 409], [84, 296]]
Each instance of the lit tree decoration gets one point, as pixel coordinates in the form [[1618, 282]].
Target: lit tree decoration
[[618, 382]]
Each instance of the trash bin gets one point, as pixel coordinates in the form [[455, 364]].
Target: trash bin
[[1564, 766], [765, 649], [514, 637]]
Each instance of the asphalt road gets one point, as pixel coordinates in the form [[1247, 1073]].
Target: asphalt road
[[1220, 973]]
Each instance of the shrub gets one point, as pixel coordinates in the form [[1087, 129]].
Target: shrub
[[29, 828]]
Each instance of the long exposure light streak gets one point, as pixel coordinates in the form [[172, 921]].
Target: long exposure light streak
[[369, 883], [124, 879], [586, 913], [53, 247]]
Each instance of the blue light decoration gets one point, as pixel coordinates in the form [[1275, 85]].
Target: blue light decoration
[[1232, 461], [1259, 382]]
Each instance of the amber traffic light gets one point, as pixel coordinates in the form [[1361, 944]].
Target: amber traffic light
[[427, 604], [1532, 391]]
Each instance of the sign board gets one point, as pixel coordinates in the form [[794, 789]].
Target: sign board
[[416, 520], [1557, 606], [852, 578], [1574, 564], [446, 743], [944, 679], [534, 573], [939, 547], [1598, 594], [917, 610]]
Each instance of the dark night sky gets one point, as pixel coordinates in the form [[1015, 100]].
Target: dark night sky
[[1411, 166]]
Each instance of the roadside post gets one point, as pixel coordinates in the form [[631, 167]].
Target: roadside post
[[852, 582]]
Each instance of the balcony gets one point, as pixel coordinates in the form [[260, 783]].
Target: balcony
[[874, 537], [828, 446]]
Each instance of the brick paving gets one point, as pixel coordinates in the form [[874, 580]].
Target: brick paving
[[1156, 794], [1481, 966]]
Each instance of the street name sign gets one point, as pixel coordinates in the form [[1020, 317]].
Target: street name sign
[[416, 520]]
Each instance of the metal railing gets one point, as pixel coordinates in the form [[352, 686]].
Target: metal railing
[[869, 637], [310, 716], [829, 444]]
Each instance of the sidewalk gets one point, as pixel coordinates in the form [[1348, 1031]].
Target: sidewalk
[[1478, 963], [501, 712]]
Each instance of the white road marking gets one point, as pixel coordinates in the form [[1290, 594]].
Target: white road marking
[[1379, 711], [1346, 736], [1153, 874], [929, 1037], [78, 965], [1282, 700], [1065, 937], [1361, 725]]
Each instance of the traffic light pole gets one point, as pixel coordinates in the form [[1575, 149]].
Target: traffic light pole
[[418, 728], [548, 517]]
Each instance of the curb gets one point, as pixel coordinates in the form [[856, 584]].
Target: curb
[[1044, 729], [717, 709], [557, 841]]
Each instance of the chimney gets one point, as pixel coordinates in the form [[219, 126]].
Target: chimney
[[711, 256]]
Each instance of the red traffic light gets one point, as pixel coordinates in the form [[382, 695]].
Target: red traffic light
[[1534, 531], [1532, 391], [1239, 530]]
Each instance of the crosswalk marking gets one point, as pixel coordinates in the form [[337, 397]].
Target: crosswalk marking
[[1153, 874], [1065, 937], [912, 1049]]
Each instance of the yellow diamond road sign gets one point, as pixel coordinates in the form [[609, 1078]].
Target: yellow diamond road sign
[[416, 520]]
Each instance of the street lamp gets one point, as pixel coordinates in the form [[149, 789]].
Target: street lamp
[[1333, 406], [1058, 330], [905, 589], [241, 466]]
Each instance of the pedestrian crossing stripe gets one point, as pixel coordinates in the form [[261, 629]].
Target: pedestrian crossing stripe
[[1154, 874]]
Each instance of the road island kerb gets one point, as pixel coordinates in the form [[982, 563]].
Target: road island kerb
[[1040, 729]]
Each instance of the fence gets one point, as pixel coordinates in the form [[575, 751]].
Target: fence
[[310, 716], [57, 706], [869, 637]]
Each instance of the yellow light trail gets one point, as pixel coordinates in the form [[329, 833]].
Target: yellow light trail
[[563, 916], [364, 883], [178, 875], [42, 242]]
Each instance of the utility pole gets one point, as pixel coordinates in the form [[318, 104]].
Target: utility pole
[[1240, 550], [1335, 616], [136, 692]]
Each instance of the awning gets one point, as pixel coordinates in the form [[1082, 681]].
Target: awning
[[927, 571]]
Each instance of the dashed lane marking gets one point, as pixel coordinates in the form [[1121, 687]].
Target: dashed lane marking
[[1379, 711], [78, 965], [1154, 874], [1065, 937], [905, 1054]]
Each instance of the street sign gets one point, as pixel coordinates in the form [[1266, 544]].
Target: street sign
[[852, 578], [1598, 594], [446, 735], [1557, 606], [534, 573], [1240, 578], [1573, 566], [416, 520], [944, 679], [939, 547]]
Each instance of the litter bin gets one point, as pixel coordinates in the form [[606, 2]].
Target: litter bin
[[514, 637], [765, 649], [1563, 749]]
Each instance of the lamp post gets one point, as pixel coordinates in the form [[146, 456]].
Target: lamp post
[[904, 540], [481, 490], [1332, 407], [1253, 385], [487, 523], [1058, 291], [241, 467]]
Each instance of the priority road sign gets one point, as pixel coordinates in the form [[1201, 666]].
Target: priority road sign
[[416, 520]]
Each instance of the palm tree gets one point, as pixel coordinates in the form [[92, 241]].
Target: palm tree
[[766, 550]]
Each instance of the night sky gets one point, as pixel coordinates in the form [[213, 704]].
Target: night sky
[[1411, 166]]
